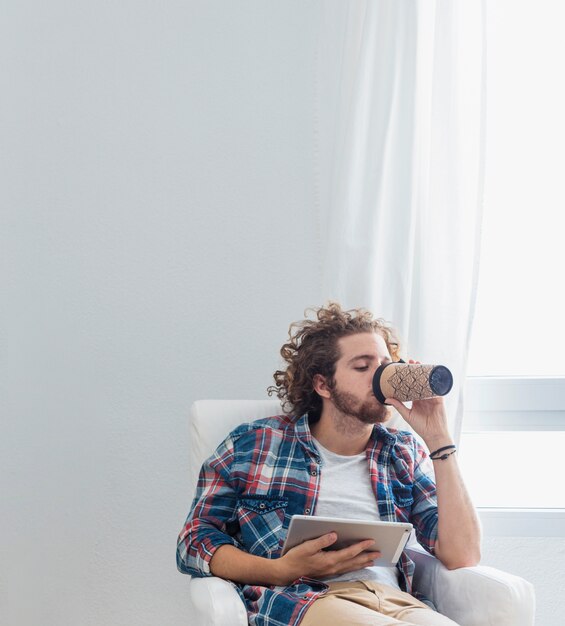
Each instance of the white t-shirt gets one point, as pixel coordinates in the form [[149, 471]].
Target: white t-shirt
[[346, 491]]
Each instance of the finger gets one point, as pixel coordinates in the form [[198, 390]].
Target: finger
[[315, 545], [399, 406], [353, 550], [366, 559]]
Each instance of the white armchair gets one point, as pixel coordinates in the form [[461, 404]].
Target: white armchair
[[471, 596]]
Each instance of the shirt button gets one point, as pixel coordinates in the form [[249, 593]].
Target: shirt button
[[314, 472], [307, 511], [262, 505]]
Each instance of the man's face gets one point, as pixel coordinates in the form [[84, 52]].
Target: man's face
[[353, 395]]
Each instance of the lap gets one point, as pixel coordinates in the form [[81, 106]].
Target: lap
[[365, 603]]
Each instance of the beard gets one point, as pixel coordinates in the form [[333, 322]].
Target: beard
[[369, 411]]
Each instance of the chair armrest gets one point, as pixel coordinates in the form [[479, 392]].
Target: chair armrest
[[474, 596], [216, 602]]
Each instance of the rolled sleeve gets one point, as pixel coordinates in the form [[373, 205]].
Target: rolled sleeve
[[196, 548], [424, 510], [213, 507]]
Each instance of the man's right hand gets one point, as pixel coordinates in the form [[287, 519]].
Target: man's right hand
[[310, 559]]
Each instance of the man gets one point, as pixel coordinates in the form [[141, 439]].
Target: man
[[331, 456]]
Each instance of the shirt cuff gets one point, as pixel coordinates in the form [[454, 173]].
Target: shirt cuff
[[207, 548]]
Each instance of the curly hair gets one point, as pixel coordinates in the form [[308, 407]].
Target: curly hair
[[313, 349]]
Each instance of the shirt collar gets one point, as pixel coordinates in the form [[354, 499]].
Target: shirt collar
[[381, 432], [302, 430]]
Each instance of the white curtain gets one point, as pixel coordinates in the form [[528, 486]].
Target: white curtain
[[400, 124]]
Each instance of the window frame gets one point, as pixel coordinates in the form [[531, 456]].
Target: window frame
[[516, 403]]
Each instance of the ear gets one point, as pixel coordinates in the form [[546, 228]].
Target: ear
[[320, 386]]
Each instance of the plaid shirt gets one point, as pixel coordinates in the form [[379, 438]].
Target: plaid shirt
[[266, 472]]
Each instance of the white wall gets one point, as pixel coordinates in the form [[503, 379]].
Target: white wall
[[159, 232]]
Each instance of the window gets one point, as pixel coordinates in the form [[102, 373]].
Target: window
[[514, 427]]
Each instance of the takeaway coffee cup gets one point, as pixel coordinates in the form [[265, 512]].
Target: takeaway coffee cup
[[411, 381]]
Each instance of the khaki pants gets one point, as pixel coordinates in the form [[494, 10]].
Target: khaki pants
[[367, 603]]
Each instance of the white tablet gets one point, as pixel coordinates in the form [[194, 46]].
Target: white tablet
[[390, 537]]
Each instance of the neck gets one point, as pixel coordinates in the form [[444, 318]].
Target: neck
[[340, 433]]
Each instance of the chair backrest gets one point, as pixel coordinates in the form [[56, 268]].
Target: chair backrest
[[212, 420]]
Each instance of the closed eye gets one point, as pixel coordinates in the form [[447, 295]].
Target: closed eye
[[363, 368]]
